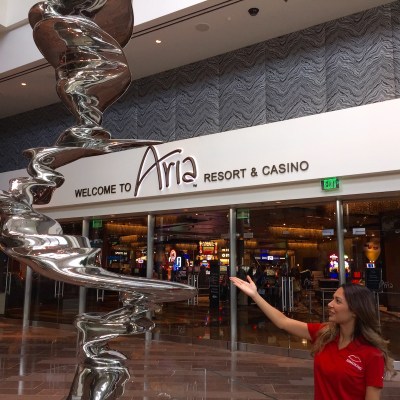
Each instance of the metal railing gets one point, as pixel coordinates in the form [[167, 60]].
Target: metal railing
[[287, 294], [193, 280]]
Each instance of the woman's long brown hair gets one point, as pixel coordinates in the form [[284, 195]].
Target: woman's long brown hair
[[362, 303]]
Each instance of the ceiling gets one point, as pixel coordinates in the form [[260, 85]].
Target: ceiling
[[199, 32]]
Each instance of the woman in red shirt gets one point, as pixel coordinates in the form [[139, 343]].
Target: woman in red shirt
[[350, 355]]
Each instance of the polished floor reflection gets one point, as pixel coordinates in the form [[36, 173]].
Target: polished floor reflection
[[40, 363], [202, 322]]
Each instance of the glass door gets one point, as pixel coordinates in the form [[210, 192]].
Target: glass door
[[55, 301], [287, 251], [372, 232], [14, 287], [123, 244], [3, 282], [192, 248]]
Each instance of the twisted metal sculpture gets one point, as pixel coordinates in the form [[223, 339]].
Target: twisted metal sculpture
[[82, 40]]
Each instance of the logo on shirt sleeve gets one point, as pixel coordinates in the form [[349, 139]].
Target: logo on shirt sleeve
[[355, 361]]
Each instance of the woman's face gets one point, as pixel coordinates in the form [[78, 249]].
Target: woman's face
[[339, 311]]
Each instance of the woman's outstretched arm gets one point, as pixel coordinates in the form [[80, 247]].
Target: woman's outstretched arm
[[279, 319]]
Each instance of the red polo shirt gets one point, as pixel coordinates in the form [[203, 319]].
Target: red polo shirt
[[345, 374]]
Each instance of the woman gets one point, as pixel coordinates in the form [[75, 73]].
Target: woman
[[350, 355]]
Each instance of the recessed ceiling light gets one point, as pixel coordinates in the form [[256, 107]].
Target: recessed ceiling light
[[23, 84], [202, 27], [158, 41]]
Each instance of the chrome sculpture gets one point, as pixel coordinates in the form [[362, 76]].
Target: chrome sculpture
[[82, 40]]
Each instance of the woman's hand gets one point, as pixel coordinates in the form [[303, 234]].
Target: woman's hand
[[248, 288]]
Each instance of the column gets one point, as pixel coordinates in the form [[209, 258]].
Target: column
[[82, 289], [232, 269], [340, 241]]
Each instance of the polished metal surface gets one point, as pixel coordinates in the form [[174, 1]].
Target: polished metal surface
[[82, 40]]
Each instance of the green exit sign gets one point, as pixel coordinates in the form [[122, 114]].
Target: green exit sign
[[243, 213], [97, 223], [330, 184]]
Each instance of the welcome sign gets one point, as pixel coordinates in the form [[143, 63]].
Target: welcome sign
[[331, 144], [173, 168]]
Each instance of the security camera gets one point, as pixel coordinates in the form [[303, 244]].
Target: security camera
[[253, 11]]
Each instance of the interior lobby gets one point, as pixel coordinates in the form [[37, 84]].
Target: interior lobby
[[266, 147]]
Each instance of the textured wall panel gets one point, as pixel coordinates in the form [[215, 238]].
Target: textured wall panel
[[359, 59], [295, 75], [35, 128], [121, 118], [157, 107], [197, 101], [395, 13], [242, 88]]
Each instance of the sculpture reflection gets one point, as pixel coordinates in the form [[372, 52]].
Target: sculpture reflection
[[82, 40]]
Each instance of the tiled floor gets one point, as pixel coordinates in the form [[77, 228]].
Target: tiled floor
[[41, 362]]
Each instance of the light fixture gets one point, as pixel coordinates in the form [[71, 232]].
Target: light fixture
[[158, 41], [23, 84]]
